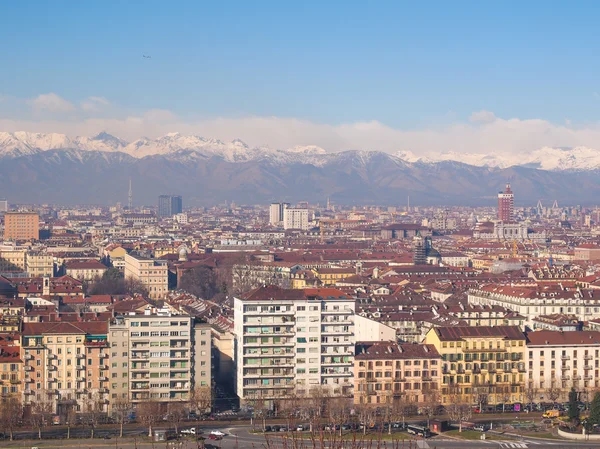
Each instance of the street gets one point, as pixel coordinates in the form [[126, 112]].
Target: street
[[240, 437]]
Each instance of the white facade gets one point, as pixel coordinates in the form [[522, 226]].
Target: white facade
[[295, 219], [561, 365], [530, 303], [153, 274], [3, 205], [284, 346], [368, 329]]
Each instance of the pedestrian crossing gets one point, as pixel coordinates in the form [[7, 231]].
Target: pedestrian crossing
[[512, 444]]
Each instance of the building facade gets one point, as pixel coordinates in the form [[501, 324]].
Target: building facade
[[295, 218], [385, 372], [481, 364], [506, 207], [288, 341], [153, 274], [558, 361], [21, 226], [158, 355], [169, 205]]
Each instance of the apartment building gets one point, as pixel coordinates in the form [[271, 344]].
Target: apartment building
[[39, 264], [86, 270], [21, 226], [557, 361], [66, 364], [533, 301], [158, 355], [12, 259], [11, 365], [153, 274], [295, 218], [290, 340], [385, 372], [481, 363]]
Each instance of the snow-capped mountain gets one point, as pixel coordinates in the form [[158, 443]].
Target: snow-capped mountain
[[176, 146]]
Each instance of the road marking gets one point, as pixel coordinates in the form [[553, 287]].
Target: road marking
[[422, 444]]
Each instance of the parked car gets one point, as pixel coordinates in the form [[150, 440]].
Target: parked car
[[217, 433], [215, 437], [268, 428]]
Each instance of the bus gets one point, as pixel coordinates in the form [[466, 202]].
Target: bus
[[420, 431]]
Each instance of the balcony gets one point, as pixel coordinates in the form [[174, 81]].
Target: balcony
[[565, 357], [81, 391], [588, 377], [103, 378], [15, 381], [51, 357], [103, 367], [28, 392], [588, 367], [52, 368], [103, 355], [28, 357], [588, 357], [80, 356], [337, 312], [29, 380], [565, 377], [28, 368], [103, 390], [80, 367], [81, 379], [140, 387], [577, 377]]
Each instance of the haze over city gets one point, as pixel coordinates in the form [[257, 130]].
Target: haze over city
[[299, 225]]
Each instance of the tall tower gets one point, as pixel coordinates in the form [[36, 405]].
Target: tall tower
[[506, 207], [130, 196]]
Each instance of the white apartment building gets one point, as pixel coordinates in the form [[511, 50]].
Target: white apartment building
[[153, 274], [294, 218], [276, 213], [531, 302], [291, 340], [559, 360], [158, 355]]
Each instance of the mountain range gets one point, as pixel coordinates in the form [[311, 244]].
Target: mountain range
[[54, 168]]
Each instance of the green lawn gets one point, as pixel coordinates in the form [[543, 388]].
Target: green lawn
[[348, 436], [470, 435]]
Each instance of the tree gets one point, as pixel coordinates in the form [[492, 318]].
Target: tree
[[176, 414], [339, 412], [41, 413], [313, 406], [458, 410], [200, 281], [554, 391], [201, 399], [430, 404], [94, 410], [71, 416], [595, 410], [149, 413], [366, 415], [531, 392], [10, 414], [574, 406], [121, 408]]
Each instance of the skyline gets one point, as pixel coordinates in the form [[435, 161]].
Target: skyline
[[433, 78]]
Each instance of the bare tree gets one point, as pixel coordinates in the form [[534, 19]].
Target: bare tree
[[339, 412], [121, 408], [554, 391], [261, 409], [366, 415], [71, 416], [458, 410], [11, 413], [531, 392], [431, 403], [201, 399], [176, 414], [41, 413], [94, 411], [480, 396], [314, 405], [149, 413]]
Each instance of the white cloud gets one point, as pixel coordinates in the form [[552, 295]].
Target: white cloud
[[484, 133], [482, 116], [52, 103], [94, 104]]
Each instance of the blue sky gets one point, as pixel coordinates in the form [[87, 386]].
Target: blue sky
[[407, 66]]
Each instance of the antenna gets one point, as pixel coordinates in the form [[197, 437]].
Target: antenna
[[408, 203], [130, 196]]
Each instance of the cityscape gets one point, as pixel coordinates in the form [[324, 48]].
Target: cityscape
[[299, 225]]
